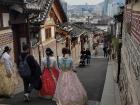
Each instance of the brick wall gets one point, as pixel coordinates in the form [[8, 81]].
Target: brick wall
[[6, 39]]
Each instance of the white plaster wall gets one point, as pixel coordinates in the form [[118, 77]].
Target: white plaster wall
[[43, 34], [53, 32], [5, 19]]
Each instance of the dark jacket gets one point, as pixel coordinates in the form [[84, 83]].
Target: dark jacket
[[88, 52], [35, 69]]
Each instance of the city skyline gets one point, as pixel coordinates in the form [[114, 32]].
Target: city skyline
[[81, 2]]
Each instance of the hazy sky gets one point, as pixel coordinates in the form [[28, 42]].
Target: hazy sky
[[83, 1]]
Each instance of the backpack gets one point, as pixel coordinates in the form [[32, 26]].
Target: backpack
[[24, 69]]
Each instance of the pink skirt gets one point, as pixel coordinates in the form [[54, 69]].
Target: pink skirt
[[69, 90]]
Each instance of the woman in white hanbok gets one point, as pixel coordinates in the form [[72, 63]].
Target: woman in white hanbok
[[7, 74]]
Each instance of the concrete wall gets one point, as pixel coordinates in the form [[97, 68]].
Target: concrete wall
[[75, 53]]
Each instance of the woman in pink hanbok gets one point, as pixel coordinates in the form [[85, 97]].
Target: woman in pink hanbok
[[69, 90]]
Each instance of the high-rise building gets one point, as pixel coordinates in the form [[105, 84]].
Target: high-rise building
[[64, 5], [105, 7], [111, 7]]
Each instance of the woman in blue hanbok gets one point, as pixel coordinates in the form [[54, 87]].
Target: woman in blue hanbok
[[69, 90]]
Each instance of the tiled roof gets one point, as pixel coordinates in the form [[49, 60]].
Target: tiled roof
[[32, 7], [76, 31], [72, 29], [45, 6], [65, 26]]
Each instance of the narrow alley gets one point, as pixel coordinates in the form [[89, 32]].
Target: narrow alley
[[91, 76], [44, 43]]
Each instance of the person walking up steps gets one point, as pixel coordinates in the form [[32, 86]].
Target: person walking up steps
[[105, 46], [30, 72], [49, 76], [69, 90], [88, 55], [8, 79]]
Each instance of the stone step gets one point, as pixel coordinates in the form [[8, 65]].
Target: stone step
[[97, 57], [91, 102]]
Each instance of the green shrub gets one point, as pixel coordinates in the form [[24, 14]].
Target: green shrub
[[115, 43]]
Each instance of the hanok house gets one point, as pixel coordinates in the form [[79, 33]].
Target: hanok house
[[64, 35], [68, 35], [18, 14], [62, 38], [76, 43], [6, 35], [49, 30], [26, 19], [33, 22]]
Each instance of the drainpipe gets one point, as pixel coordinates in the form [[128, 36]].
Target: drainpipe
[[119, 52], [119, 60], [57, 51], [29, 38], [39, 54], [40, 43]]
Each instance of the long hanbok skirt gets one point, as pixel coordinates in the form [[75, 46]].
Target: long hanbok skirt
[[49, 79], [69, 90], [7, 85]]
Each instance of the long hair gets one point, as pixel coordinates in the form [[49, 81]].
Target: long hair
[[49, 52], [65, 51], [6, 49]]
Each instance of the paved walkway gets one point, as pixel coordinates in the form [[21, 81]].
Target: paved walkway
[[111, 92]]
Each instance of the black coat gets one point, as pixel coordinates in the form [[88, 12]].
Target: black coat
[[35, 70]]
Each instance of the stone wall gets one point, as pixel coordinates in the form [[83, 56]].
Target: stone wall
[[6, 39], [130, 67]]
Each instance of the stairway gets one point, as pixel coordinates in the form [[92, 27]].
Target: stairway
[[91, 102]]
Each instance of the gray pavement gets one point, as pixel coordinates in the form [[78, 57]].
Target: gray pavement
[[111, 94], [92, 77]]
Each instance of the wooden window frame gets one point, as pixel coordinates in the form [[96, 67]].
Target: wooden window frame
[[1, 25], [47, 33], [1, 22]]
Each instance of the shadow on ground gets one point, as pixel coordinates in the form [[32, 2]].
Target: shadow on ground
[[18, 100], [93, 78]]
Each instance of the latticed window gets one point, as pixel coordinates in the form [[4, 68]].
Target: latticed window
[[4, 20], [48, 33]]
